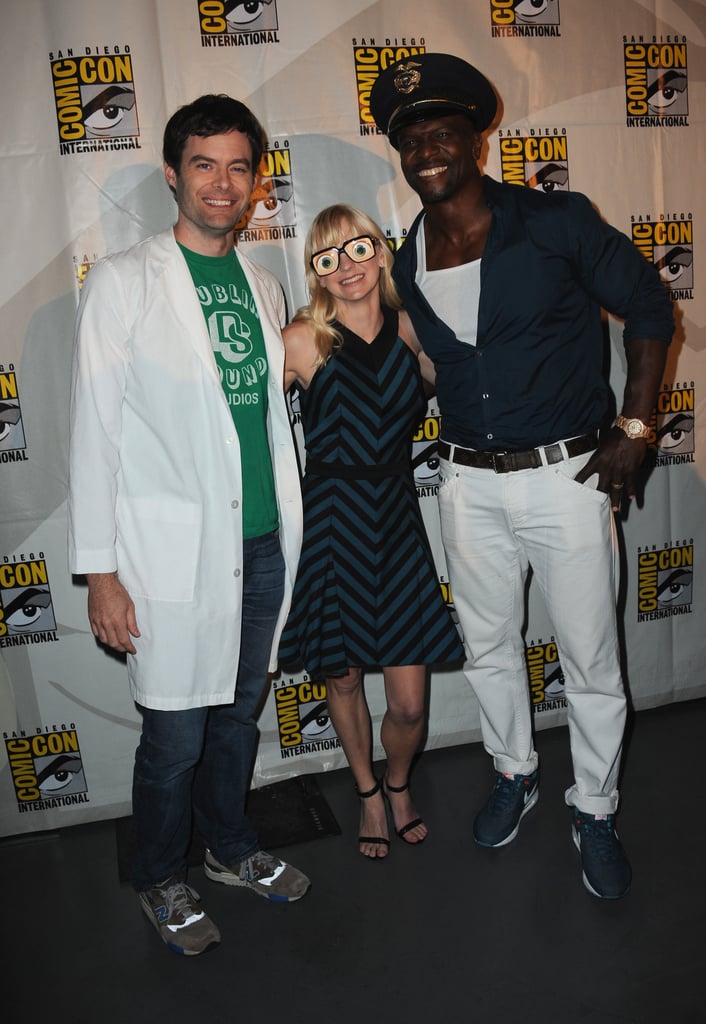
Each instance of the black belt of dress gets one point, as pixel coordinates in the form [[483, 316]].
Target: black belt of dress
[[342, 471], [510, 462]]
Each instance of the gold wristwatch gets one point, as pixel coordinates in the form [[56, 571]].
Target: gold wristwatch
[[633, 427]]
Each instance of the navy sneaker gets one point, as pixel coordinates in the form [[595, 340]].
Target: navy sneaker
[[498, 822], [606, 869]]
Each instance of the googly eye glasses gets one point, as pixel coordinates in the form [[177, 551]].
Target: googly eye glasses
[[359, 250]]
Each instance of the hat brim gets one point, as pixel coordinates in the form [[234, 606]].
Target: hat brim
[[427, 110]]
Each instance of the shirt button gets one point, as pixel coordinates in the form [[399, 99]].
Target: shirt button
[[230, 440], [236, 573], [489, 436], [485, 394], [234, 503]]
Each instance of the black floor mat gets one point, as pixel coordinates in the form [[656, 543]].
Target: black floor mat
[[292, 811]]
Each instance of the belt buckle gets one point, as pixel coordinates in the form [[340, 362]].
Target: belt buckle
[[498, 466]]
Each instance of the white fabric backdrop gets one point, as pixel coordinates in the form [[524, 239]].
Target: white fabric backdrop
[[604, 98]]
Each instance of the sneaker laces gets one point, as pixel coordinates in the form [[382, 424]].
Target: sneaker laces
[[601, 835], [505, 792], [263, 865], [180, 899]]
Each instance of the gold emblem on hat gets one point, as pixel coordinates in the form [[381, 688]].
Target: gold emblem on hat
[[407, 78]]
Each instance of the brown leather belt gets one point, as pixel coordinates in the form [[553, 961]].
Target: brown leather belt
[[510, 462]]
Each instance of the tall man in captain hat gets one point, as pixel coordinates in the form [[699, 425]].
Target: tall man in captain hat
[[505, 287]]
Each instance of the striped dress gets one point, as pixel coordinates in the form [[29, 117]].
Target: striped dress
[[367, 593]]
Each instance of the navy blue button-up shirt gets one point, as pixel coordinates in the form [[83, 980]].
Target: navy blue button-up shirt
[[536, 374]]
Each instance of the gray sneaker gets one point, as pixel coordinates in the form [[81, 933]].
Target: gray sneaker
[[265, 874], [172, 909]]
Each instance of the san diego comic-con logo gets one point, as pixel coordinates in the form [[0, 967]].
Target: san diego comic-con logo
[[370, 59], [272, 213], [656, 81], [671, 426], [668, 242], [234, 23], [12, 433], [26, 609], [46, 768], [395, 242], [425, 455], [82, 264], [94, 99], [673, 440], [303, 721], [665, 580], [546, 678], [447, 594], [524, 17], [536, 157]]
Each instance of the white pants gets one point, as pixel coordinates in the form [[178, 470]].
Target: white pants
[[494, 527]]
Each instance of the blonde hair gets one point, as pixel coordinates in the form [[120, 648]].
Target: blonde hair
[[324, 232]]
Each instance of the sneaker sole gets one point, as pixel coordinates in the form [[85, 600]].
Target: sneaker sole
[[587, 884], [172, 945], [531, 801], [230, 879]]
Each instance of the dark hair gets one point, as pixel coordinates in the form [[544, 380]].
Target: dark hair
[[211, 115]]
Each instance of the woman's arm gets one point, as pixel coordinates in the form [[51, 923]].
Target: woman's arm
[[300, 354]]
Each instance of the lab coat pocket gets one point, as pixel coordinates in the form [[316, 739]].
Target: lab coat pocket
[[158, 547]]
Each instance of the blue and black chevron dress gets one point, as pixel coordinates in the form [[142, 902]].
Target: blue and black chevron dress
[[367, 593]]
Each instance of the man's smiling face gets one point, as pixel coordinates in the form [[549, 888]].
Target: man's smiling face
[[439, 156], [213, 188]]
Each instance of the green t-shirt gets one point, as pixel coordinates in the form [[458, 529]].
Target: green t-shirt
[[239, 348]]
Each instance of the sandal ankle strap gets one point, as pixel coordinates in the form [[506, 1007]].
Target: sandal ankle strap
[[370, 792], [396, 789]]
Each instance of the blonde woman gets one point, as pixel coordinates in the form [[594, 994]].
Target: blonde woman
[[367, 594]]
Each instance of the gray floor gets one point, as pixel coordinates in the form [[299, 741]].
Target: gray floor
[[445, 932]]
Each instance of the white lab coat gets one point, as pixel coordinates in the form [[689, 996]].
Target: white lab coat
[[155, 479]]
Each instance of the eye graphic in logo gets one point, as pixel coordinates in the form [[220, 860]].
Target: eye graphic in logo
[[268, 202], [674, 587], [675, 433], [12, 434], [554, 683], [537, 12], [108, 112], [425, 463], [28, 610], [674, 264], [315, 721], [666, 92], [549, 177], [250, 17], [60, 775]]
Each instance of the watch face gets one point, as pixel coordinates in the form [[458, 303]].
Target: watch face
[[634, 428]]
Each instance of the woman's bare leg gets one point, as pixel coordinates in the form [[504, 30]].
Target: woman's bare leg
[[351, 719], [401, 734]]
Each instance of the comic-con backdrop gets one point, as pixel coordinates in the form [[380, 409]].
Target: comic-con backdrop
[[604, 98]]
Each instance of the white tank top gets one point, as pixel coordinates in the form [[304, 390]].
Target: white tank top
[[453, 293]]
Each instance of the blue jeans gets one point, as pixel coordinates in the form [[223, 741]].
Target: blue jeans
[[200, 760]]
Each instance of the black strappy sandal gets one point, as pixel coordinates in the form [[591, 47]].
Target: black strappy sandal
[[401, 832], [378, 840]]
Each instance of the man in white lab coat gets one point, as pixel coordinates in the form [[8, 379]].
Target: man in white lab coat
[[185, 512]]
